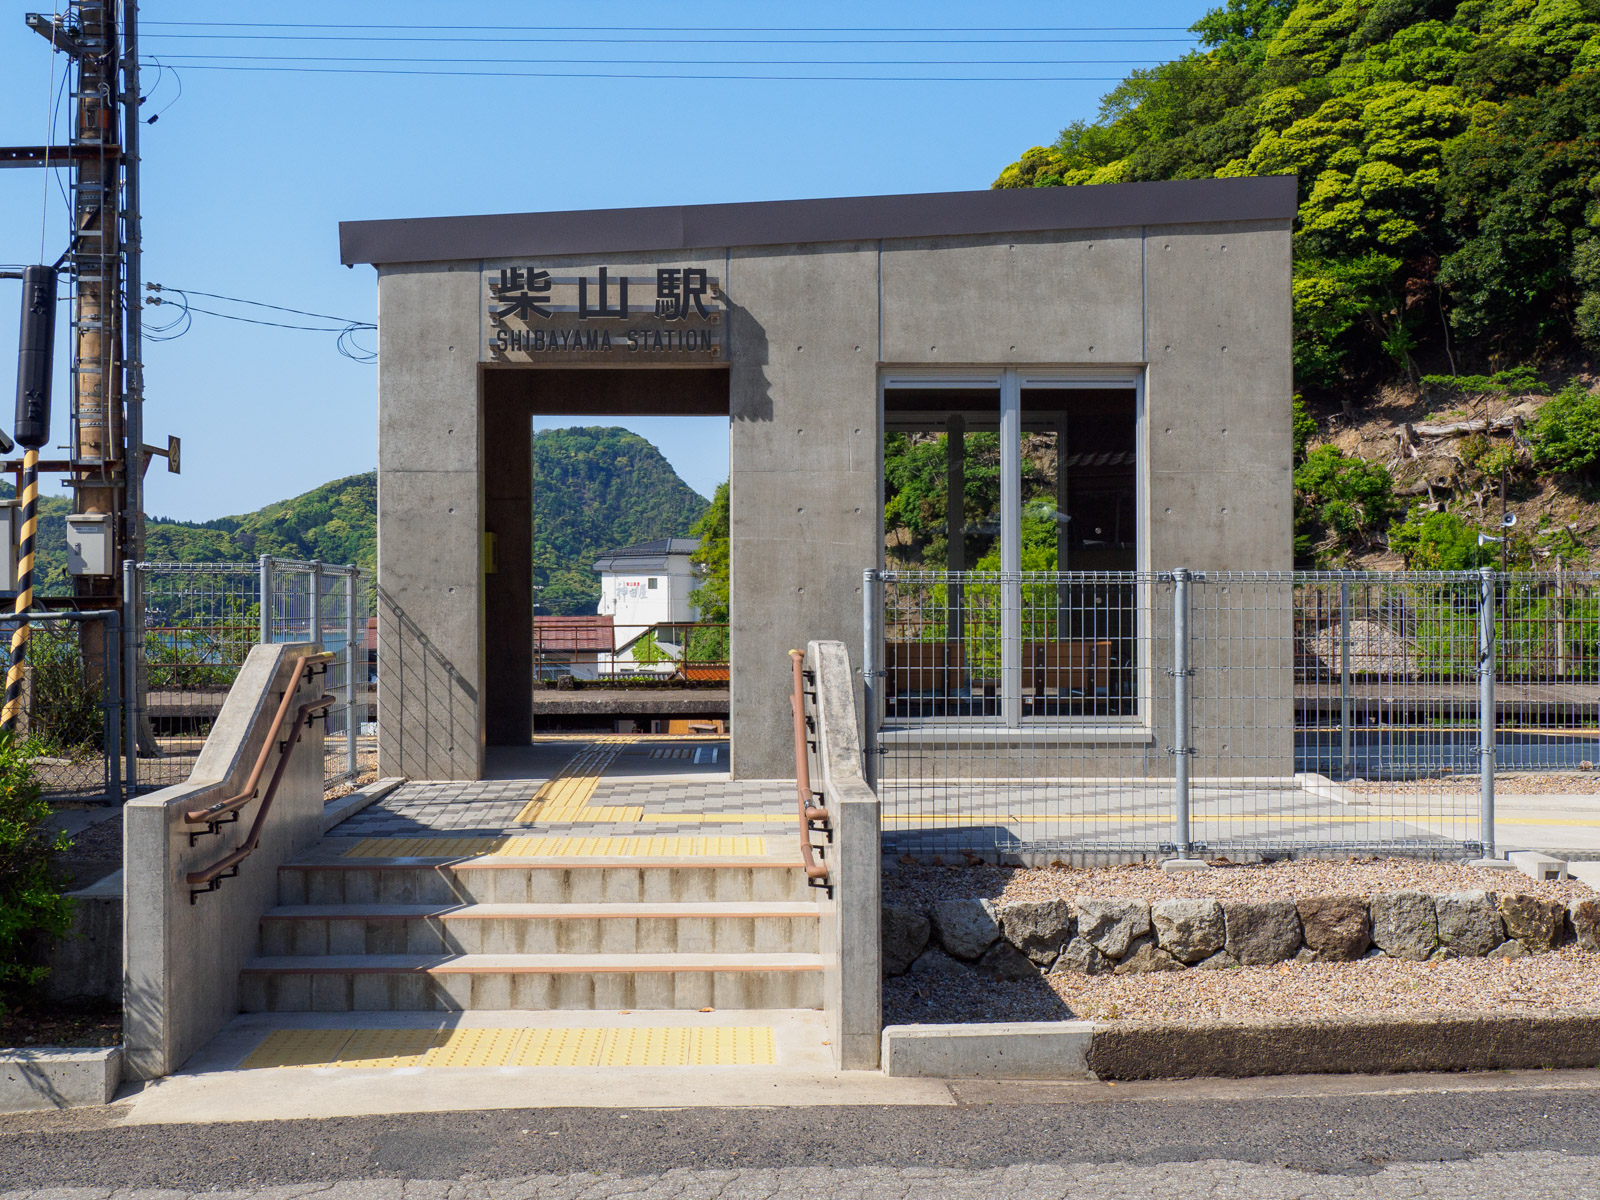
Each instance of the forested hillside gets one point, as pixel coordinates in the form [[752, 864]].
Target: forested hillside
[[1447, 251], [595, 489], [598, 489]]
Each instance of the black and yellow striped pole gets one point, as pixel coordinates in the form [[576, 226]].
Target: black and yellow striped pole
[[35, 348], [19, 636]]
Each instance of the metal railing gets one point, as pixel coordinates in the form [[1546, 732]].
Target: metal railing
[[199, 621], [675, 653], [226, 811], [1223, 712], [813, 816]]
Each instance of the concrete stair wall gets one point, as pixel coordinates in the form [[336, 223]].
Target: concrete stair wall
[[508, 934]]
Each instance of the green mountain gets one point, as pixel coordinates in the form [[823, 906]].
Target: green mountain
[[1446, 254], [595, 489], [1448, 153]]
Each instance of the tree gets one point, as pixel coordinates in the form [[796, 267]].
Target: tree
[[710, 599]]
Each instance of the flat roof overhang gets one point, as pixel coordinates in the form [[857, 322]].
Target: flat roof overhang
[[844, 219]]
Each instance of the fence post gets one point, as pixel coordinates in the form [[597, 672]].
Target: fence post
[[114, 704], [1346, 762], [315, 587], [1486, 714], [266, 598], [870, 637], [133, 698], [350, 629], [1180, 709]]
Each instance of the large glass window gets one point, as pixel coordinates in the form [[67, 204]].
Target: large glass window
[[1035, 481]]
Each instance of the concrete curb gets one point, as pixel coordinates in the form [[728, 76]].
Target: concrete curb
[[1367, 1045], [1019, 1050], [58, 1077], [346, 807]]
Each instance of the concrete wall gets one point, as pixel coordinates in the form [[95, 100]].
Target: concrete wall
[[1202, 311], [430, 497], [181, 960], [852, 915], [86, 964]]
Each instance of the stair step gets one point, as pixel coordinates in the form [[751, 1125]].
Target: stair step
[[496, 880], [618, 928], [422, 982]]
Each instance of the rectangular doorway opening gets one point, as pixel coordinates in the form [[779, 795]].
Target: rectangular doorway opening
[[602, 612]]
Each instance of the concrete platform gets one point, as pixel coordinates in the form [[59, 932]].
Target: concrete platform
[[214, 1086]]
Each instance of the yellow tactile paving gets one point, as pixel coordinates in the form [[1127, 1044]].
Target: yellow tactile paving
[[561, 1048], [390, 1047], [559, 847], [566, 797], [572, 1046], [474, 1048], [298, 1048]]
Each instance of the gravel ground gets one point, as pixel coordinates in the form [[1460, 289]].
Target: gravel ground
[[1579, 783], [920, 886], [1565, 980]]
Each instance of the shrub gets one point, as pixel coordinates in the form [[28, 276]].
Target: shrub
[[1340, 499], [1439, 541], [31, 903], [1566, 435], [67, 715]]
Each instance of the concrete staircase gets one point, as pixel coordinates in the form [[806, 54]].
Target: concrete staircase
[[550, 933]]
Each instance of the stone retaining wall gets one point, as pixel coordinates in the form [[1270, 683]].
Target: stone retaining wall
[[1125, 935]]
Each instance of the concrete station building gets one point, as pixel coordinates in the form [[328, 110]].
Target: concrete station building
[[1147, 324]]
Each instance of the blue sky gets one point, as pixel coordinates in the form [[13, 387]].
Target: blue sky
[[248, 172]]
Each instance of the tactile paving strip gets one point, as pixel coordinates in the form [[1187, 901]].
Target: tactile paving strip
[[559, 847], [568, 1046]]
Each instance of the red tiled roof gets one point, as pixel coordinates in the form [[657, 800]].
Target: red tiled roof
[[574, 634]]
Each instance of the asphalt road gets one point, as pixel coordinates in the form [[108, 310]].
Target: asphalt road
[[1528, 1135]]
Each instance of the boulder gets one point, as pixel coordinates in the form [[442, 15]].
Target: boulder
[[1259, 932], [1039, 928], [966, 928], [904, 936], [1405, 925], [1220, 961], [1081, 957], [1145, 955], [1469, 925], [1584, 916], [1510, 948], [1188, 930], [1538, 924], [1336, 928], [934, 961], [1005, 961], [1112, 924]]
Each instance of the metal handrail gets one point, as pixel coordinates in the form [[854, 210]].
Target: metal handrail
[[228, 865], [809, 812], [202, 816]]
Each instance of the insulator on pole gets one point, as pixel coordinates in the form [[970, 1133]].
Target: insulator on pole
[[35, 356]]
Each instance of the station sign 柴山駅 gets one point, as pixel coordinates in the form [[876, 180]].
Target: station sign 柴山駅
[[603, 316]]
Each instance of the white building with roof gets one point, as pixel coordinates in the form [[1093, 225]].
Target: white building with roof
[[645, 589]]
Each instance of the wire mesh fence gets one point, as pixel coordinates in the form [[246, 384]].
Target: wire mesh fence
[[1222, 713], [71, 713], [200, 621]]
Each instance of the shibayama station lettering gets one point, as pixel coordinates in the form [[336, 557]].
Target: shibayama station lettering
[[532, 312]]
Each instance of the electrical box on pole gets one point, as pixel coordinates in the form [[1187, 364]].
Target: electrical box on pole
[[35, 356]]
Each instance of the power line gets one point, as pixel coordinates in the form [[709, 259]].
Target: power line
[[678, 28], [678, 41], [685, 77], [735, 62], [345, 327]]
